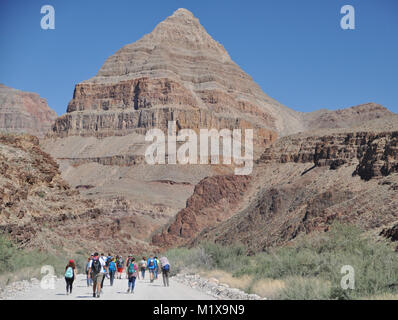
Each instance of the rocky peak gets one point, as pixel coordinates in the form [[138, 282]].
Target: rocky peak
[[183, 30], [176, 42]]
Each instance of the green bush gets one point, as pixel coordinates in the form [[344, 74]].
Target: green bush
[[317, 256], [183, 260], [322, 255], [300, 288], [13, 259]]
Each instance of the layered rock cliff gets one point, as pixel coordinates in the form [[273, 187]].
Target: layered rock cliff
[[24, 112], [376, 153], [177, 72]]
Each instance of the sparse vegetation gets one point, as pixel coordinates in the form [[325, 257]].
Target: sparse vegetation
[[309, 269], [19, 264]]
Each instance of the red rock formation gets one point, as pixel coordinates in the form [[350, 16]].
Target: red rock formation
[[214, 200], [24, 112]]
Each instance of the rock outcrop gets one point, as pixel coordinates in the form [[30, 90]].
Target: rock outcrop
[[214, 200], [376, 153], [24, 112]]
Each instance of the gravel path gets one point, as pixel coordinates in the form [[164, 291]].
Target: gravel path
[[144, 290]]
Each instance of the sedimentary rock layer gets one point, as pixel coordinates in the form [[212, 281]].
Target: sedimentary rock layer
[[24, 112]]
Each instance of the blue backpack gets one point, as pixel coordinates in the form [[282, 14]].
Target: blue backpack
[[69, 273], [112, 266], [166, 267]]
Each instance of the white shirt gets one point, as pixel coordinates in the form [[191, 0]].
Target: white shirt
[[102, 265]]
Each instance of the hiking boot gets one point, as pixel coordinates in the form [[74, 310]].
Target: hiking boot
[[128, 290], [94, 295], [98, 295]]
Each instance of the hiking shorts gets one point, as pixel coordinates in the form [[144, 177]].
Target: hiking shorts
[[120, 270], [151, 270], [97, 278]]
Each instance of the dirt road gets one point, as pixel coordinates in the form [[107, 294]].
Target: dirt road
[[144, 290]]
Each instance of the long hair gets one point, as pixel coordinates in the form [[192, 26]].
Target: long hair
[[71, 264]]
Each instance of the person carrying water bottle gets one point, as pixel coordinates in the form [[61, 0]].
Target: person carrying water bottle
[[70, 275], [131, 273]]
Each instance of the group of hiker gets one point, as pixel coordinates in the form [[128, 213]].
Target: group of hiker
[[99, 267]]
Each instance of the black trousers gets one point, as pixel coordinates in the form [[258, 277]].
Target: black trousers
[[69, 284]]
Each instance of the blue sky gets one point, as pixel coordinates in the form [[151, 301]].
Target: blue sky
[[295, 50]]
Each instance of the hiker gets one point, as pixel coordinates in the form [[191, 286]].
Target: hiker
[[131, 273], [112, 269], [70, 275], [151, 265], [143, 267], [98, 268], [130, 256], [104, 259], [157, 267], [119, 264], [89, 279], [165, 270]]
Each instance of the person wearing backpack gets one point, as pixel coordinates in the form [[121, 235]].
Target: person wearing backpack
[[156, 273], [131, 273], [119, 264], [164, 262], [151, 265], [112, 269], [98, 268], [70, 275], [104, 259], [143, 267]]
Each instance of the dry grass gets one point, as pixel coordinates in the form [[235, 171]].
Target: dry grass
[[268, 288], [263, 287], [22, 274], [385, 296], [225, 277]]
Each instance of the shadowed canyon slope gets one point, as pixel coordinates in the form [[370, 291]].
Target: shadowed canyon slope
[[307, 181], [38, 209]]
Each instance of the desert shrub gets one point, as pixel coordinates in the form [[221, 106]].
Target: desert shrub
[[310, 267], [229, 258], [18, 263], [323, 255], [300, 288], [183, 259]]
